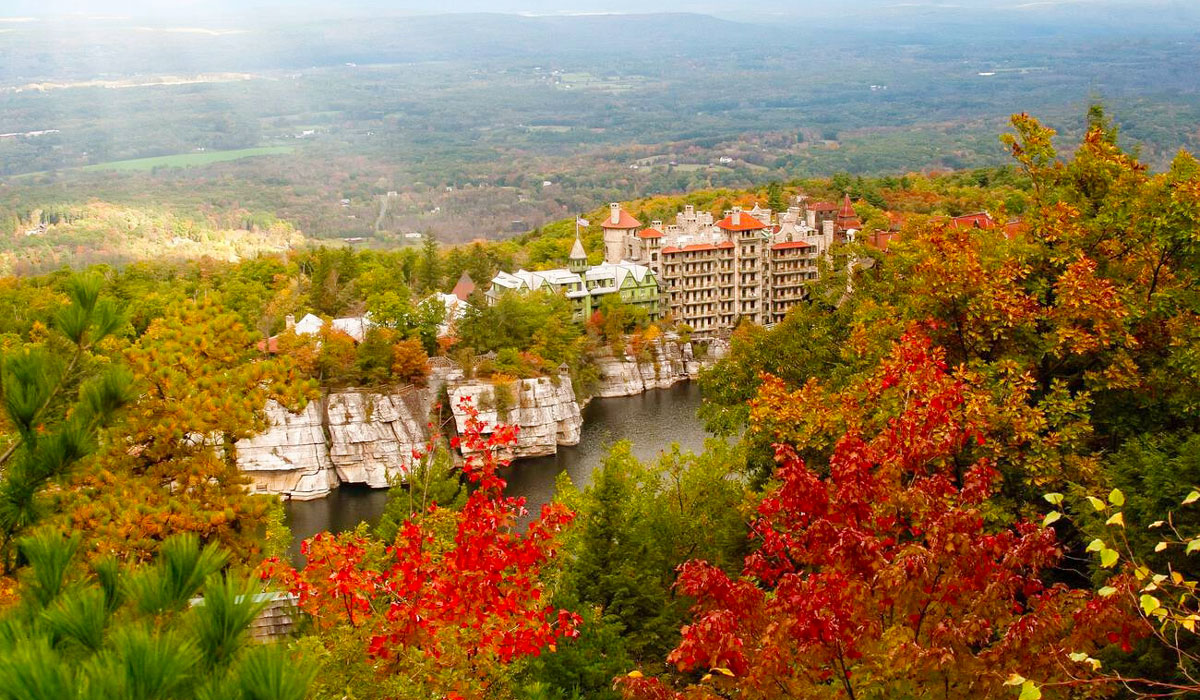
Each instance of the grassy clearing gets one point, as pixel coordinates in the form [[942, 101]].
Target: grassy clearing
[[187, 160]]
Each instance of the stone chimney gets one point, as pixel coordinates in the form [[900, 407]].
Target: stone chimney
[[737, 216], [689, 210], [616, 212], [289, 322]]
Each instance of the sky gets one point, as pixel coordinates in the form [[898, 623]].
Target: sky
[[1168, 13], [211, 7]]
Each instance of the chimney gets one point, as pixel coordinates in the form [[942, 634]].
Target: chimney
[[689, 210], [737, 216], [289, 322], [616, 212], [656, 225]]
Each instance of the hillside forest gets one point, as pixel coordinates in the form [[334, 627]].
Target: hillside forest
[[965, 469]]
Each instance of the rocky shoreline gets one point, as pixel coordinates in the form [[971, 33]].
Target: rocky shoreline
[[364, 437]]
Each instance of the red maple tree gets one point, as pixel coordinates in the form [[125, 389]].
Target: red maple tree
[[459, 588], [882, 571]]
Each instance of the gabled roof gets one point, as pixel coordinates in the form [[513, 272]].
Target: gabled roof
[[354, 326], [624, 222], [977, 220], [823, 206], [650, 233], [618, 272], [465, 287], [745, 223], [311, 324]]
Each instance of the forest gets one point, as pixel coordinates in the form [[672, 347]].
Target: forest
[[966, 469], [486, 125]]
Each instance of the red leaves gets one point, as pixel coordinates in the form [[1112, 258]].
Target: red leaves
[[479, 594], [886, 562]]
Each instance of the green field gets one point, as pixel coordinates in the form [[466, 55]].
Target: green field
[[186, 160]]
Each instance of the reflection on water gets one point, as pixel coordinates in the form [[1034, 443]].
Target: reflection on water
[[651, 421]]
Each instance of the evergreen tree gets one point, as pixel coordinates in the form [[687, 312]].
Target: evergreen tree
[[176, 629], [52, 431], [775, 199], [429, 267]]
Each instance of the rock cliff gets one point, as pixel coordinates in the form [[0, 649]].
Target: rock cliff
[[290, 457], [544, 408], [353, 437], [363, 437], [670, 362]]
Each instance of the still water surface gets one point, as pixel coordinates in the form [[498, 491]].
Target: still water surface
[[651, 421]]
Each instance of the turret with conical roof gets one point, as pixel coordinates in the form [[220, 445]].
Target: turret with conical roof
[[577, 260], [847, 219]]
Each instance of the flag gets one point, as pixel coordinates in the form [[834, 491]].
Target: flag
[[582, 222]]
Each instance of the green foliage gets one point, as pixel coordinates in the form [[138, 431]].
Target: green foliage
[[635, 524], [68, 640], [53, 433], [434, 479]]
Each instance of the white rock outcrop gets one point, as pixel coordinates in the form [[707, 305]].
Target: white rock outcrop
[[670, 362], [372, 436], [290, 457], [544, 409], [364, 437], [354, 437]]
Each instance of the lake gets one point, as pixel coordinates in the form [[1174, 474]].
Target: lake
[[651, 421]]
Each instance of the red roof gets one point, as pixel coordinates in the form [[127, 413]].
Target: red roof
[[465, 287], [270, 345], [625, 221], [790, 245], [847, 210], [881, 240], [979, 220], [745, 223], [823, 206], [669, 250], [650, 233], [1014, 228], [725, 244]]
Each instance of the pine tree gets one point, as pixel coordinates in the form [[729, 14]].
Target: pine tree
[[52, 431], [429, 267], [178, 628]]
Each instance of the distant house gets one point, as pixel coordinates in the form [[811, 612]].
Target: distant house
[[585, 284], [464, 288], [354, 326], [455, 309]]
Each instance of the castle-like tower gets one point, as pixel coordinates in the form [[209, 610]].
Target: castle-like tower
[[618, 226]]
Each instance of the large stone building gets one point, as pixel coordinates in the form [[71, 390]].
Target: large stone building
[[586, 285], [752, 265]]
